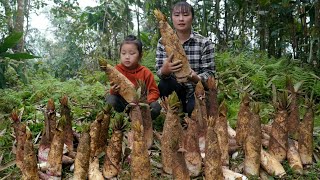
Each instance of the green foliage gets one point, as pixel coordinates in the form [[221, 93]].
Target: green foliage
[[255, 73], [233, 109], [6, 142], [83, 97], [149, 59], [310, 172], [7, 59]]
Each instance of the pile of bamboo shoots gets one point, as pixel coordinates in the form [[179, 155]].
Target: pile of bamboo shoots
[[201, 149]]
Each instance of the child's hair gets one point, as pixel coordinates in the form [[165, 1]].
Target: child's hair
[[131, 39], [184, 6]]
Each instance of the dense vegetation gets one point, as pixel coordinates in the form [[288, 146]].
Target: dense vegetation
[[250, 72]]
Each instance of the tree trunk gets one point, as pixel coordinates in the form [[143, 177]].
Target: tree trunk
[[8, 13], [243, 14], [304, 41], [316, 34], [225, 44], [279, 45], [217, 18], [127, 18], [204, 20], [271, 43], [138, 15], [18, 24], [294, 42], [262, 30], [115, 50]]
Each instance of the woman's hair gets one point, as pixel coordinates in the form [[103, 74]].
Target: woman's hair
[[184, 6], [131, 39]]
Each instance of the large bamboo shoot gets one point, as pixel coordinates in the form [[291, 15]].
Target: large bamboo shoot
[[95, 130], [231, 175], [244, 115], [212, 100], [104, 129], [173, 46], [140, 162], [221, 128], [30, 169], [81, 164], [94, 171], [179, 166], [146, 112], [127, 89], [271, 164], [212, 161], [200, 104], [20, 135], [278, 143], [306, 136], [171, 128], [111, 166], [191, 145], [48, 133], [293, 115], [252, 145], [293, 157], [56, 150], [68, 132]]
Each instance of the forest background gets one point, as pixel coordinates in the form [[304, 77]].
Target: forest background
[[258, 45]]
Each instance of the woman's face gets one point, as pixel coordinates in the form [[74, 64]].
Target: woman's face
[[129, 55], [182, 20]]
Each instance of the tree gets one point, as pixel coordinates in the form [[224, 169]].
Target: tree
[[14, 60]]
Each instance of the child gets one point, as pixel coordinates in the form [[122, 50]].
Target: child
[[130, 57]]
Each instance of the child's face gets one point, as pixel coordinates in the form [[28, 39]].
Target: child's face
[[129, 56]]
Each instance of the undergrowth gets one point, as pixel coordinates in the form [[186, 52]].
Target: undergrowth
[[246, 72]]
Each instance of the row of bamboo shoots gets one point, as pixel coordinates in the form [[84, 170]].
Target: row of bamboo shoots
[[184, 151], [285, 138]]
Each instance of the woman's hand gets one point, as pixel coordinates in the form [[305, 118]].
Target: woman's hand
[[114, 87], [169, 67], [194, 77]]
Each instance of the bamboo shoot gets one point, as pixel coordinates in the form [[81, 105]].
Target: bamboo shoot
[[173, 46]]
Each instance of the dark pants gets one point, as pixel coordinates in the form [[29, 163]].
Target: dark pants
[[167, 86], [119, 104]]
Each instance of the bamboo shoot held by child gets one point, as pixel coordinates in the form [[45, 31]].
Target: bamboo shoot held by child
[[129, 73]]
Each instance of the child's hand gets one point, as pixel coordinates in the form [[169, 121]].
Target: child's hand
[[114, 87]]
